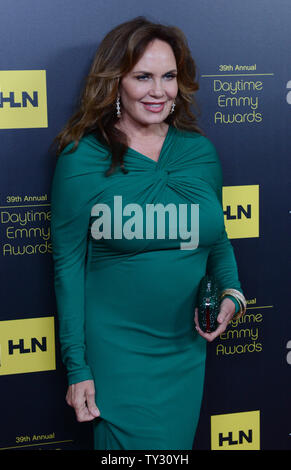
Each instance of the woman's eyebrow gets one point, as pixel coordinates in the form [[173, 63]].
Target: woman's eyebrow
[[149, 73]]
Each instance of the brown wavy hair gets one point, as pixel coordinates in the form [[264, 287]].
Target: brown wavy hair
[[117, 54]]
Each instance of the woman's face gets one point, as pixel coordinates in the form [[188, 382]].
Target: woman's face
[[148, 91]]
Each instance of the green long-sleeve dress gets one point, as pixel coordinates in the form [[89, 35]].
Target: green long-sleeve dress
[[126, 306]]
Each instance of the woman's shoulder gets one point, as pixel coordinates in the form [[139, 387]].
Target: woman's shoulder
[[88, 143], [85, 152], [194, 139]]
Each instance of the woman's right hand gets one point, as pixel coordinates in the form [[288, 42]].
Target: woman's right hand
[[81, 396]]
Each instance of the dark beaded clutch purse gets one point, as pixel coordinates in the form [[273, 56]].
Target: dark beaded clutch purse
[[208, 303]]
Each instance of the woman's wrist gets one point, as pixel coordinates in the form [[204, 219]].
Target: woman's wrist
[[236, 303], [79, 375], [238, 298]]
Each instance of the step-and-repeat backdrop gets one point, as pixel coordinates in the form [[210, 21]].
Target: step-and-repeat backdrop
[[242, 50]]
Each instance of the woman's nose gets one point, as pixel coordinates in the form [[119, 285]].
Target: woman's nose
[[157, 88]]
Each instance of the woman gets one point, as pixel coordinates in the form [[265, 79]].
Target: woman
[[135, 356]]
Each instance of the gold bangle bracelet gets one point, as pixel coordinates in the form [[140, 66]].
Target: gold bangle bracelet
[[240, 298]]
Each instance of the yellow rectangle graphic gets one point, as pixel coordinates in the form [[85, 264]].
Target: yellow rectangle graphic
[[27, 345], [241, 210], [236, 431], [23, 99]]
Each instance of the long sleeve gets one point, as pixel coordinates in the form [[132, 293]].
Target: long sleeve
[[70, 213], [221, 259]]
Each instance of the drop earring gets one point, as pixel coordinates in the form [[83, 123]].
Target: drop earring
[[173, 107], [118, 112]]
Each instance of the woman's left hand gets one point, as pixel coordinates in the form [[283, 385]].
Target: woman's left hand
[[226, 313]]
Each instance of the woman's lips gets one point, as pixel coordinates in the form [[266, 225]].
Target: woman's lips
[[154, 107]]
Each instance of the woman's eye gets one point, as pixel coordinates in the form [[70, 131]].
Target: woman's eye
[[170, 75], [167, 76]]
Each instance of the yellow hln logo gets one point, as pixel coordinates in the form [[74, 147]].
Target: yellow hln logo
[[241, 210], [27, 345], [236, 431], [23, 99]]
